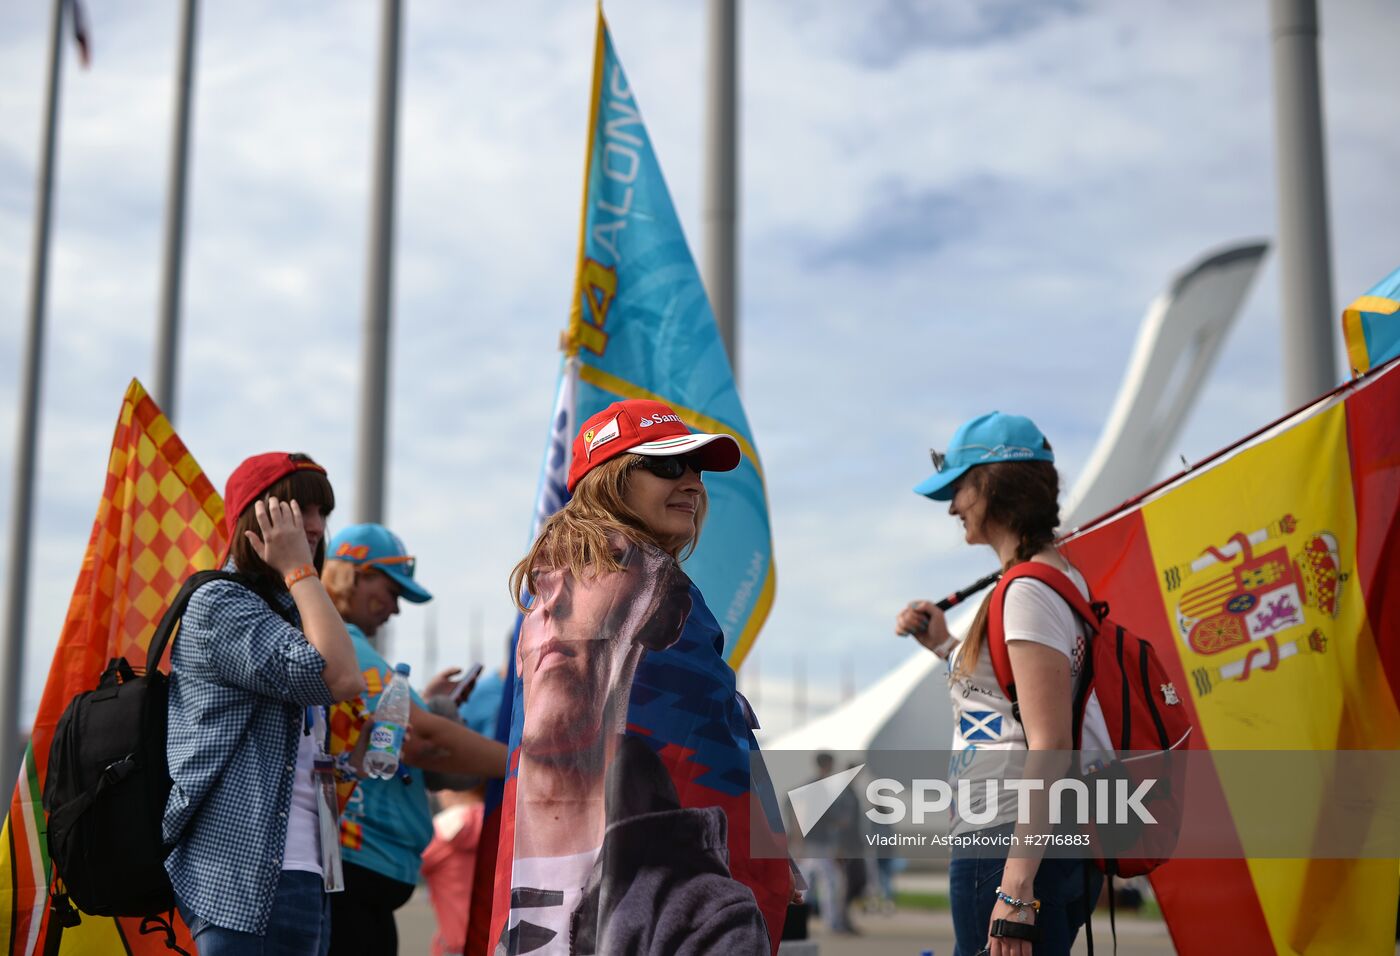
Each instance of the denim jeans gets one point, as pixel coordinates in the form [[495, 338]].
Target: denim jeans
[[1059, 885], [300, 924], [825, 876]]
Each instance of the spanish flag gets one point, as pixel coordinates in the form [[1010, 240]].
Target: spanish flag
[[159, 520], [1269, 575]]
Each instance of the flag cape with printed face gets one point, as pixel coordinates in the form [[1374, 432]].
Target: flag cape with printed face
[[1267, 579], [1371, 326], [641, 327], [629, 773], [159, 520], [550, 495]]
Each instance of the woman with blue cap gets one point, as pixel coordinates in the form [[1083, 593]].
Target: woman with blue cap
[[387, 823], [999, 478]]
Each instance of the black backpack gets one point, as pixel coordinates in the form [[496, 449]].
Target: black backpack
[[108, 782]]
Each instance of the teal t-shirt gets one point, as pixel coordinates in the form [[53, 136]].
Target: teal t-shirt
[[387, 823]]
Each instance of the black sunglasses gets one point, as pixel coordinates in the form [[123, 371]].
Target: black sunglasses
[[669, 467]]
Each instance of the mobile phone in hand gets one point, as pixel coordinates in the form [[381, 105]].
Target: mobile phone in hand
[[464, 689]]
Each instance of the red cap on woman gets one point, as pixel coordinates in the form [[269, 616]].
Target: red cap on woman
[[647, 428], [254, 476]]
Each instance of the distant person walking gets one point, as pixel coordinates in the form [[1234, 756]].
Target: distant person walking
[[449, 862], [1000, 479], [824, 849]]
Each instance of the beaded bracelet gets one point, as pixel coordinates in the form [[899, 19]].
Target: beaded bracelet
[[298, 574], [1019, 904]]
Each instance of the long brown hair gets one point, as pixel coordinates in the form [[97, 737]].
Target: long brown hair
[[577, 536], [305, 486], [1022, 497]]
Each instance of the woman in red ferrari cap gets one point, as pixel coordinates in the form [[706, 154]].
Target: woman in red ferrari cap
[[253, 667], [607, 856]]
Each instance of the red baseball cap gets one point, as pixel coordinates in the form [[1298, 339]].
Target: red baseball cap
[[257, 474], [646, 428]]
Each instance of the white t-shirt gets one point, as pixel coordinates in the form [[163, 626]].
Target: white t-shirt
[[303, 850], [982, 718], [555, 885]]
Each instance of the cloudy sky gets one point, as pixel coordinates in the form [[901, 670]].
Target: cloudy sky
[[947, 207]]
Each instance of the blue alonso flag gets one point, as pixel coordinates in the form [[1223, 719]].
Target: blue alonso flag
[[641, 327]]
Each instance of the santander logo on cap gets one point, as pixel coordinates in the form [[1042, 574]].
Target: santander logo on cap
[[657, 418], [618, 428], [649, 428]]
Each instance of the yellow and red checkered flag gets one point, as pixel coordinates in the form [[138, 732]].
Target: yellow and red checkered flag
[[158, 521]]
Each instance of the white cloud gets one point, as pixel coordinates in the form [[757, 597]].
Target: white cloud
[[934, 222]]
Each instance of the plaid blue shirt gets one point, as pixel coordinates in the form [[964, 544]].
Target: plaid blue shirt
[[241, 679]]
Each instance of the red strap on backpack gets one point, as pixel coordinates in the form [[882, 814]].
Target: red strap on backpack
[[1143, 715], [996, 629]]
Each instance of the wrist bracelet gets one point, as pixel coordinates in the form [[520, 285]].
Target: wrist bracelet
[[298, 574], [1019, 904]]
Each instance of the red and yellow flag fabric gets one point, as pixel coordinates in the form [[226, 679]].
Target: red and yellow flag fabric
[[1268, 577], [159, 520]]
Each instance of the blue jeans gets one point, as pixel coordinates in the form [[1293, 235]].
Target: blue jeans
[[1059, 885], [300, 924], [827, 878]]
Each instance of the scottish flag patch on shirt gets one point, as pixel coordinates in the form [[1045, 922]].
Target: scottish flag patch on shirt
[[979, 725]]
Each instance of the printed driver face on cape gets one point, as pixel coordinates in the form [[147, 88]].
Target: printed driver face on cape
[[580, 644]]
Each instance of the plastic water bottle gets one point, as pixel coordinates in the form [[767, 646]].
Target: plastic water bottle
[[390, 719]]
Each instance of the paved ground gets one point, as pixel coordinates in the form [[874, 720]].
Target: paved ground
[[911, 932], [416, 925], [905, 933], [902, 933]]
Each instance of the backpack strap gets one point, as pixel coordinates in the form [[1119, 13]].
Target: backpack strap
[[171, 618], [1058, 581], [115, 773]]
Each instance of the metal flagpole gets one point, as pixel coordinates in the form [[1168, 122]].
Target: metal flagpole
[[369, 497], [21, 524], [721, 173], [1304, 246], [168, 330]]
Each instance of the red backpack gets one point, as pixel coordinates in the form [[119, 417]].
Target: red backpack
[[1145, 714]]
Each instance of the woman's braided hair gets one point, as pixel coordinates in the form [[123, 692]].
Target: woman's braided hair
[[1024, 498]]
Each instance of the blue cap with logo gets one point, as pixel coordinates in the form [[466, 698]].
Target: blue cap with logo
[[375, 546], [981, 441]]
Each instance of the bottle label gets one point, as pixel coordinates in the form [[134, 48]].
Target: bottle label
[[385, 737]]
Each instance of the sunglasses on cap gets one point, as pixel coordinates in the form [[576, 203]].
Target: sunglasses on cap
[[669, 467], [989, 452], [407, 562]]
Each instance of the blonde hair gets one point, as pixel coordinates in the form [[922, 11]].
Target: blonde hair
[[340, 579], [577, 536]]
